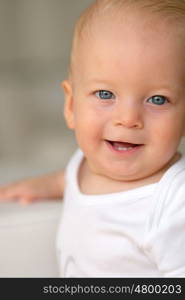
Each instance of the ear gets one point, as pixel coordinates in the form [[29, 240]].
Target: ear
[[68, 106]]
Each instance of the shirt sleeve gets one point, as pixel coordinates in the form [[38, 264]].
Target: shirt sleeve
[[165, 242]]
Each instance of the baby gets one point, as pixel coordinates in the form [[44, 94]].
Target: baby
[[124, 194]]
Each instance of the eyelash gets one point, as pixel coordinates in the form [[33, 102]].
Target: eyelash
[[98, 93]]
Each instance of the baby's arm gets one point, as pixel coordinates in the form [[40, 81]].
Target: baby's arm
[[49, 186]]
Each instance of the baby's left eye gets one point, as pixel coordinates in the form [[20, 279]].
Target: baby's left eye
[[157, 100], [104, 94]]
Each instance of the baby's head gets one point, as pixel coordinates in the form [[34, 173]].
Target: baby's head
[[125, 97]]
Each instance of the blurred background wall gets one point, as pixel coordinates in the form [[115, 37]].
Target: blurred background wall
[[35, 40]]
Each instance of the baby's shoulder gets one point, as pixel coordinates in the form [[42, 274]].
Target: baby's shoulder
[[168, 201], [177, 182], [173, 180], [171, 195]]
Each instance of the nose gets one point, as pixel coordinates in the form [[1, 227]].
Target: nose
[[128, 114]]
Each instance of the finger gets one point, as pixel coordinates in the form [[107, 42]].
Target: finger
[[25, 201]]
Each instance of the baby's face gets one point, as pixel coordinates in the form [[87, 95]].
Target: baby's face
[[126, 99]]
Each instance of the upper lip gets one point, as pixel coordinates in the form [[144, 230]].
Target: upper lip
[[122, 141]]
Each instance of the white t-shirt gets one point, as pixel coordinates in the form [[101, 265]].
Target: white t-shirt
[[135, 233]]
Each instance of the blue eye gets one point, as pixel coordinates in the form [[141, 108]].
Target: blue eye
[[157, 100], [104, 94]]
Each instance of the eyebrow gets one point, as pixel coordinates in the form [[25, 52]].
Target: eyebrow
[[172, 88], [97, 80]]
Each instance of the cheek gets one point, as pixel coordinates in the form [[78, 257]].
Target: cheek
[[167, 132], [88, 118], [89, 128]]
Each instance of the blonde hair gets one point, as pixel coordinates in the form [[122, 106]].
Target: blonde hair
[[170, 9]]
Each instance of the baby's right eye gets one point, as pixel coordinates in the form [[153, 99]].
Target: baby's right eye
[[104, 94]]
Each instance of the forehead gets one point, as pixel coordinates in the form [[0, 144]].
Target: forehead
[[135, 41]]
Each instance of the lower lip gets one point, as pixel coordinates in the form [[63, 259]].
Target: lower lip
[[123, 152]]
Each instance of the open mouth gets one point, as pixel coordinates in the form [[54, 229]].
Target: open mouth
[[123, 146]]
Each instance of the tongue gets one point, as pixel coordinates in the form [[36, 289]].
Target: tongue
[[122, 144]]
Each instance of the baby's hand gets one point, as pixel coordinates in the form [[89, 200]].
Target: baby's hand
[[34, 189]]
